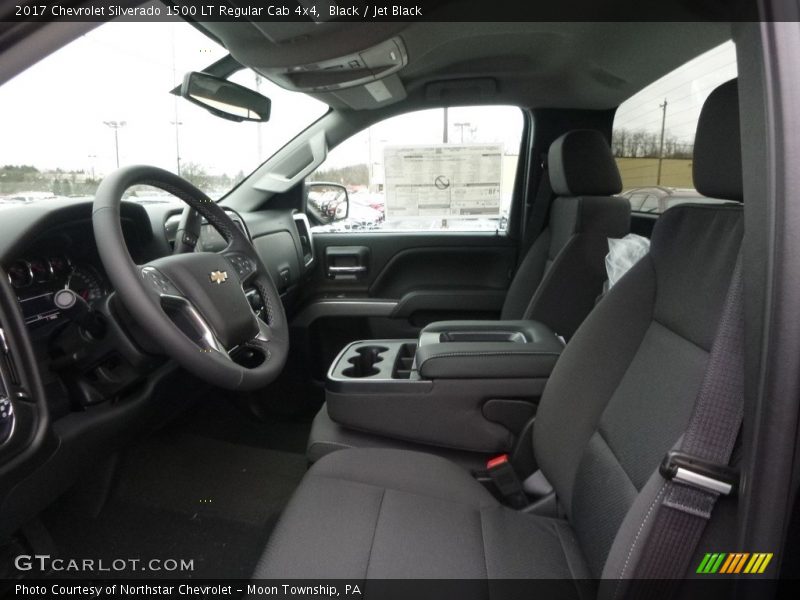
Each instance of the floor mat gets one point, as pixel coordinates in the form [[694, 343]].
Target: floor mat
[[184, 496]]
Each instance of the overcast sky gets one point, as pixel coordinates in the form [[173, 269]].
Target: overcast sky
[[52, 115], [685, 91]]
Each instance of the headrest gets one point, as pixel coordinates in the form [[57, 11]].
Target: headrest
[[603, 216], [581, 164], [717, 168]]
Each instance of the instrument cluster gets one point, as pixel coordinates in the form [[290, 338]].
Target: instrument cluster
[[35, 279]]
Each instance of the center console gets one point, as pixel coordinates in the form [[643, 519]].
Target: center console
[[468, 385]]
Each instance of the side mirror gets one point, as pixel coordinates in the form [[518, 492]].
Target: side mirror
[[327, 202], [224, 98]]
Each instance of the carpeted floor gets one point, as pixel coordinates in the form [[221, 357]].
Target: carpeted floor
[[220, 419], [185, 494]]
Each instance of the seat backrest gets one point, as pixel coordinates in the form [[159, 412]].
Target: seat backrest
[[563, 272], [624, 387]]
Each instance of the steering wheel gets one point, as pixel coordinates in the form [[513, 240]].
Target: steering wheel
[[194, 304]]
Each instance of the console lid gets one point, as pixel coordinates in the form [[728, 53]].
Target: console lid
[[486, 350]]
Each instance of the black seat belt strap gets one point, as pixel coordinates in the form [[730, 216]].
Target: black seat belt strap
[[697, 473], [539, 209]]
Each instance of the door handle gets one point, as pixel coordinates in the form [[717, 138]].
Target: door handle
[[346, 270], [347, 263]]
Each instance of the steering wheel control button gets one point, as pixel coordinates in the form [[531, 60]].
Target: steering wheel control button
[[243, 265], [6, 419], [161, 284]]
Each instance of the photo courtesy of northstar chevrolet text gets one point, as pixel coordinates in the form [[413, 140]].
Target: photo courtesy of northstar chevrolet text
[[399, 300]]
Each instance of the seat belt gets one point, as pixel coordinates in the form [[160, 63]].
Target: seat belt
[[697, 473], [540, 208]]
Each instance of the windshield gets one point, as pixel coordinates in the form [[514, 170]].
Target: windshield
[[103, 101]]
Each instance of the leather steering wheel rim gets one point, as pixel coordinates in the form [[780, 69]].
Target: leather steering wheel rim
[[206, 288]]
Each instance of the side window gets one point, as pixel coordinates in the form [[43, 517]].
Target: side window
[[430, 170], [653, 137], [650, 204], [636, 200]]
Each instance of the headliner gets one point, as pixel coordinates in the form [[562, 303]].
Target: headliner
[[555, 65]]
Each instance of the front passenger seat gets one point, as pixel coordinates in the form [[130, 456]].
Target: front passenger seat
[[561, 276], [620, 397], [563, 273]]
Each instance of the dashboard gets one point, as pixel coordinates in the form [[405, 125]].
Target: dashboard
[[65, 257], [62, 254]]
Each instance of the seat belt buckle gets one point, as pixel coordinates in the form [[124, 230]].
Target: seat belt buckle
[[699, 473], [506, 480]]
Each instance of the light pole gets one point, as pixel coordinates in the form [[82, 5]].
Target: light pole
[[371, 168], [176, 122], [258, 125], [461, 126], [663, 108], [115, 125], [177, 144]]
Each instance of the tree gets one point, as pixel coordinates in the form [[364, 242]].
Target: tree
[[638, 143], [349, 175], [19, 173], [196, 175], [619, 142]]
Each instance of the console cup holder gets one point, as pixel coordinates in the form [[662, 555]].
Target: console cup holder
[[364, 362]]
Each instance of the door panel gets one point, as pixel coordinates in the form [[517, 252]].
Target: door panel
[[402, 262], [438, 268], [404, 281]]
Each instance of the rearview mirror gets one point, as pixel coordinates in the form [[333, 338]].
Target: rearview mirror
[[327, 202], [224, 98]]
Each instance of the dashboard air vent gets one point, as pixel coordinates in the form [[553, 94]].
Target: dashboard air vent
[[304, 233]]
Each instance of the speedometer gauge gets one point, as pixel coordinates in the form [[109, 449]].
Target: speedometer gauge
[[20, 274], [86, 282]]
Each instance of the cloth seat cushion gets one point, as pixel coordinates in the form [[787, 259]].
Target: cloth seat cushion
[[382, 513]]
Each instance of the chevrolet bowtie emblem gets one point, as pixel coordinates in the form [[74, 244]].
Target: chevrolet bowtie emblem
[[218, 277]]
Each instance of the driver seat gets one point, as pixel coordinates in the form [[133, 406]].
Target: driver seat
[[619, 398]]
